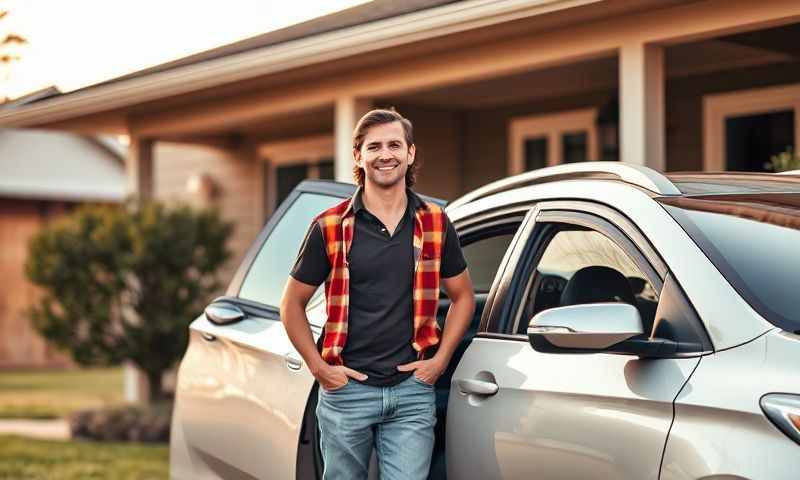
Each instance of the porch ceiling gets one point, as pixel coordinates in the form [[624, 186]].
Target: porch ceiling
[[563, 80]]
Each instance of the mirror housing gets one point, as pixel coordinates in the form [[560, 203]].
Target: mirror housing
[[220, 313], [587, 328]]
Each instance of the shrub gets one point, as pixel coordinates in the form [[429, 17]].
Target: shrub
[[123, 424], [124, 282]]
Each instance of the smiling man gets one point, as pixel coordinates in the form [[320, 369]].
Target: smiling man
[[383, 255]]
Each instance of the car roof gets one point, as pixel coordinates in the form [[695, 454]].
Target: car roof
[[644, 178], [712, 183]]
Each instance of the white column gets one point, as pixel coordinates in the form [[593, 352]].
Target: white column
[[139, 166], [348, 111], [642, 131], [135, 384]]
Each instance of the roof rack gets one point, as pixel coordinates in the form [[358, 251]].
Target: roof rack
[[638, 175]]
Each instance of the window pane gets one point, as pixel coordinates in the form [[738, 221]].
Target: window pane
[[535, 153], [483, 259], [751, 140], [584, 266], [288, 177], [270, 270], [573, 147]]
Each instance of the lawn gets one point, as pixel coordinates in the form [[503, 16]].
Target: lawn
[[24, 459], [53, 394]]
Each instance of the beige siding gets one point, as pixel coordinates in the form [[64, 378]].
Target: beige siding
[[20, 345], [237, 178], [437, 136]]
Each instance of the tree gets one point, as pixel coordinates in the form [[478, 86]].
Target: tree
[[9, 46], [124, 282]]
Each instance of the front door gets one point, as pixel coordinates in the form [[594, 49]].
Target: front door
[[557, 416]]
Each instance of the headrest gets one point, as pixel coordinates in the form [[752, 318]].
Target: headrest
[[597, 284]]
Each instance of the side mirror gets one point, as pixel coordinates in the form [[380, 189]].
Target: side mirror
[[585, 328], [223, 313]]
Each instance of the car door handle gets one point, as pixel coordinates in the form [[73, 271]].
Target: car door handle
[[293, 362], [478, 387], [208, 337]]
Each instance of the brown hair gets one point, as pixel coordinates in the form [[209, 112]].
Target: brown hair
[[381, 117]]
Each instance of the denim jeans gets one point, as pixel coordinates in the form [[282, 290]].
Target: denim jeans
[[398, 421]]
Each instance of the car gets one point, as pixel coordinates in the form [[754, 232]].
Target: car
[[629, 324]]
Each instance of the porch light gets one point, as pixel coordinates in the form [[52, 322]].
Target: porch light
[[608, 129]]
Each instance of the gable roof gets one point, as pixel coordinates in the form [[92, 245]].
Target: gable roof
[[44, 165]]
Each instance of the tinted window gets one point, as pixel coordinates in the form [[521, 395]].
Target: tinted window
[[483, 258], [753, 241], [268, 274], [581, 266]]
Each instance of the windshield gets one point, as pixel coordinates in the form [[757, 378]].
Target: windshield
[[754, 241]]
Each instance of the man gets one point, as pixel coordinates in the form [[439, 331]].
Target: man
[[383, 255]]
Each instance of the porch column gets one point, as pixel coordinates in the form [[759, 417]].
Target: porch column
[[642, 131], [348, 111], [139, 166]]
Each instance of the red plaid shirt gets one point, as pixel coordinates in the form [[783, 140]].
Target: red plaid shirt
[[336, 225]]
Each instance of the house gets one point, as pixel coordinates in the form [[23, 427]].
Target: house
[[43, 175], [494, 88]]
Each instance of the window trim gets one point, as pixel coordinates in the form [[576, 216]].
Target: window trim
[[568, 212], [717, 108], [551, 126]]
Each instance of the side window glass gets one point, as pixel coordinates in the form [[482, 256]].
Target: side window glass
[[483, 258], [581, 266], [483, 255], [270, 269]]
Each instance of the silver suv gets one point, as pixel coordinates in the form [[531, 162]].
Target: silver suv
[[629, 325]]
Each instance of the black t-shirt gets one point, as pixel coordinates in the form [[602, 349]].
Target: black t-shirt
[[380, 323]]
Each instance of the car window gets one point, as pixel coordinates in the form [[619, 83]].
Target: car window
[[483, 258], [267, 275], [752, 240], [579, 266]]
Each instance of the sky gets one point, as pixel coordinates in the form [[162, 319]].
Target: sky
[[72, 44]]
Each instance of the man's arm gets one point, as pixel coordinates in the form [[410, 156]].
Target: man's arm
[[296, 295], [459, 315]]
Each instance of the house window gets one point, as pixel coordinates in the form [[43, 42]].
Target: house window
[[290, 162], [744, 129], [544, 140]]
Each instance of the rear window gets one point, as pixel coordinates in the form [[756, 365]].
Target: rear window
[[754, 241]]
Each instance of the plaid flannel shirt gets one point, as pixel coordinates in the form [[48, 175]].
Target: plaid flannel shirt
[[337, 225]]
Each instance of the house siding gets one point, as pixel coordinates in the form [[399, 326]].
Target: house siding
[[20, 345], [237, 177]]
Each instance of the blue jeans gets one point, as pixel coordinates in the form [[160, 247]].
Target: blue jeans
[[398, 421]]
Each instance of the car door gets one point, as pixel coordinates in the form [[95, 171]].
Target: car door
[[514, 412], [242, 388]]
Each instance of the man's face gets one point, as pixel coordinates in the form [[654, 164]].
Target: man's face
[[384, 155]]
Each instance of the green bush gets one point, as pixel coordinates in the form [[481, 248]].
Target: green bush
[[123, 424], [784, 161], [124, 282]]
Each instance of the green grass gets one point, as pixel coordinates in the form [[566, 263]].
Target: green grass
[[25, 459], [53, 394]]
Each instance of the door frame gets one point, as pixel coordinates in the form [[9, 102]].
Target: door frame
[[551, 126], [308, 150], [718, 107]]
